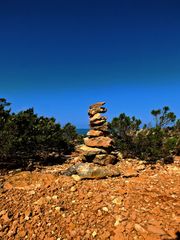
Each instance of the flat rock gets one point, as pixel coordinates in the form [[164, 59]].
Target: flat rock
[[76, 177], [104, 159], [25, 180], [104, 142], [97, 122], [156, 230], [93, 171], [139, 228], [98, 104], [88, 151], [97, 116], [130, 173], [93, 111], [94, 133], [104, 127], [89, 170]]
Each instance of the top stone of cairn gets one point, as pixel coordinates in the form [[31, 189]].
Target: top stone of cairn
[[97, 105], [96, 108]]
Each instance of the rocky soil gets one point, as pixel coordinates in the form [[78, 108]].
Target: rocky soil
[[141, 203]]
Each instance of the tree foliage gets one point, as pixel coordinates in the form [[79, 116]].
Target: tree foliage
[[4, 111], [163, 117], [24, 135], [149, 143], [123, 128]]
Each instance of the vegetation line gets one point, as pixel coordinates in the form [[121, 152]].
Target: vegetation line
[[25, 137]]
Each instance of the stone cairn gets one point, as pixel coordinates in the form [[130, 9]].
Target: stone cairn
[[98, 145]]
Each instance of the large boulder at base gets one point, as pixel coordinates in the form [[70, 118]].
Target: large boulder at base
[[104, 142], [92, 171]]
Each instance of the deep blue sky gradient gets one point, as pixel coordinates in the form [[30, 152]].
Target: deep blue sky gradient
[[61, 56]]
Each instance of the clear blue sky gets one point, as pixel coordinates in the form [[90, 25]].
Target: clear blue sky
[[61, 56]]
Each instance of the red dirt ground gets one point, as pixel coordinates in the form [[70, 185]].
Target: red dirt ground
[[141, 204]]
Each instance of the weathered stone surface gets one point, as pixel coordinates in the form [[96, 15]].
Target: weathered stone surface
[[17, 181], [97, 122], [104, 159], [104, 127], [98, 137], [155, 229], [139, 228], [120, 156], [104, 142], [177, 160], [90, 170], [91, 151], [117, 200], [96, 105], [97, 116], [76, 177], [130, 173], [93, 111], [94, 133]]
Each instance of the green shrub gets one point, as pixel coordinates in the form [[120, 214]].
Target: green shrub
[[123, 128], [24, 135], [148, 143]]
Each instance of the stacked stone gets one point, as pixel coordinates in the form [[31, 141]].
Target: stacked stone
[[98, 143]]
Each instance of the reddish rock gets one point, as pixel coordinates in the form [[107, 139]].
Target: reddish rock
[[94, 133], [104, 142], [40, 201], [7, 186], [27, 214], [139, 228], [105, 235], [129, 226], [104, 127], [177, 160], [118, 233], [3, 212], [88, 151], [21, 232], [97, 122], [133, 216], [13, 229], [5, 217], [155, 229]]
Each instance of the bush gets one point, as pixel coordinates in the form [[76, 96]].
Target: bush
[[123, 129], [24, 135], [148, 143]]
